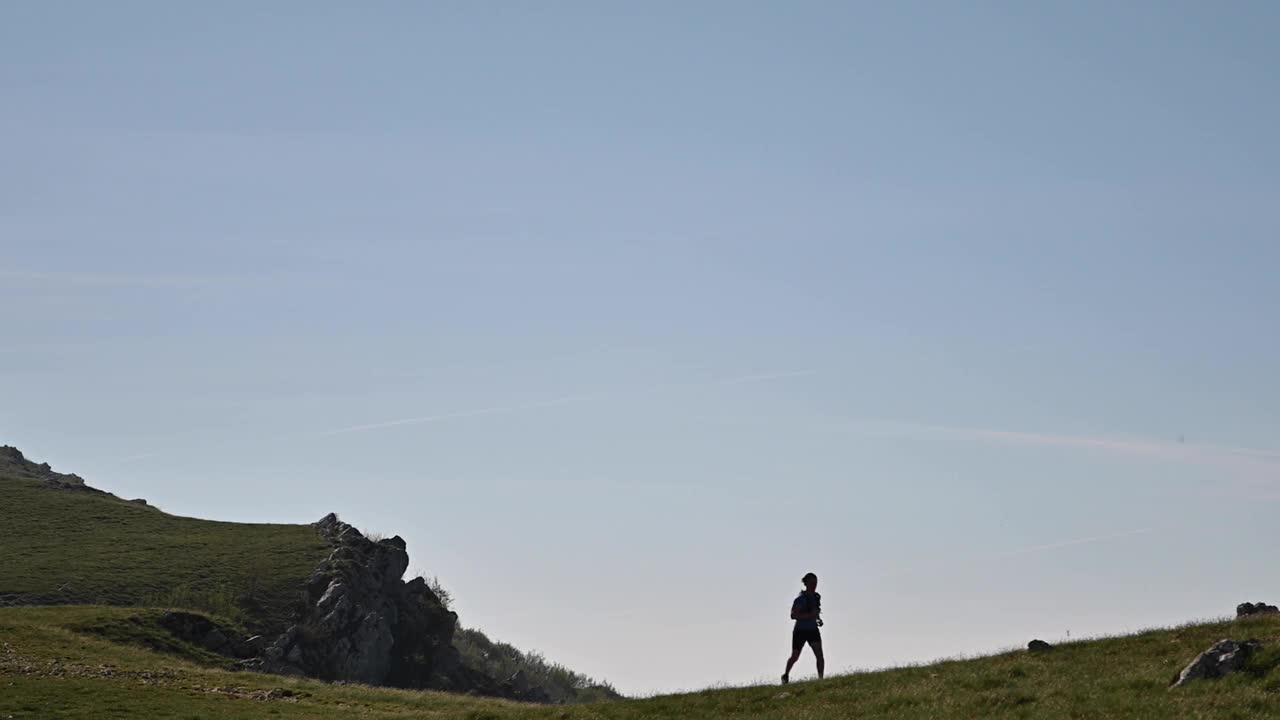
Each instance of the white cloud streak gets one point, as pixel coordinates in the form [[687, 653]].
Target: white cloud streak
[[1071, 543], [1255, 461]]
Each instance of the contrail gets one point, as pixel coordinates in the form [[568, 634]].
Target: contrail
[[1069, 543]]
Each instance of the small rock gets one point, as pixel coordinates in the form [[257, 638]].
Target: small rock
[[1038, 646]]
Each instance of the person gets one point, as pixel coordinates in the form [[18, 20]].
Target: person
[[806, 610]]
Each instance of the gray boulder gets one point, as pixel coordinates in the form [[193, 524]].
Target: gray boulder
[[1226, 656], [1247, 609]]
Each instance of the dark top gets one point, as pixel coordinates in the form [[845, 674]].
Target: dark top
[[807, 602]]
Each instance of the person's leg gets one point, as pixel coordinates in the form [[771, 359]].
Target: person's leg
[[817, 652], [797, 644]]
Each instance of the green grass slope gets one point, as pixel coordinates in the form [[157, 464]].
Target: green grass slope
[[56, 663], [64, 543], [67, 546]]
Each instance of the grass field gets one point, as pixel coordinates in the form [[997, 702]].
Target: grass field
[[81, 547], [50, 669]]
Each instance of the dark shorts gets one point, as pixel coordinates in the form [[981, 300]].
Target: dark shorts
[[800, 637]]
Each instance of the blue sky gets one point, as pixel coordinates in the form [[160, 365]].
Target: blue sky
[[626, 316]]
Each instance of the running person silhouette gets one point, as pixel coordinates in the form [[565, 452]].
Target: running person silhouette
[[806, 610]]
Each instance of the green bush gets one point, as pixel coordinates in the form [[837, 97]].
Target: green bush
[[500, 661]]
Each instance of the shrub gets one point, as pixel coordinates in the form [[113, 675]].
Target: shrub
[[446, 597], [501, 661]]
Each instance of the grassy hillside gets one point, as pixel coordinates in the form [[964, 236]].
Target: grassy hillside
[[65, 546], [63, 543], [56, 663]]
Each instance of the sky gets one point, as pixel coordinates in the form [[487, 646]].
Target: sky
[[627, 315]]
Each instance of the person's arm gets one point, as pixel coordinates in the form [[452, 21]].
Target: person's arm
[[796, 614]]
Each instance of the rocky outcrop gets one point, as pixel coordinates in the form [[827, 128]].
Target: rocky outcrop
[[1226, 656], [1247, 609], [362, 623], [14, 464], [1038, 646]]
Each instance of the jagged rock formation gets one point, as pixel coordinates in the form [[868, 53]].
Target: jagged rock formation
[[361, 622], [1247, 609], [1226, 656]]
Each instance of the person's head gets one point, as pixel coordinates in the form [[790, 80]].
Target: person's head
[[810, 582]]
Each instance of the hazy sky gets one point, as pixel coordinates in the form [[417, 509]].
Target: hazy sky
[[626, 316]]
